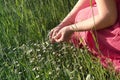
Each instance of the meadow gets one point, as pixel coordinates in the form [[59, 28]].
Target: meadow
[[27, 54]]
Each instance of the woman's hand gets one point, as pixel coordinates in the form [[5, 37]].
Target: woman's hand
[[64, 34], [55, 30], [52, 33]]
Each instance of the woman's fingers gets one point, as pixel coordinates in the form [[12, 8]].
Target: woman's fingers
[[50, 35], [59, 37], [59, 40], [56, 30], [54, 33]]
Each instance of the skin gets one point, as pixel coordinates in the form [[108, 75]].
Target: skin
[[107, 15]]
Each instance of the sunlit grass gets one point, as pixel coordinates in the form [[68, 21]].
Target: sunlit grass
[[25, 52]]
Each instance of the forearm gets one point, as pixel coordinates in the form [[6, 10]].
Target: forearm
[[96, 23], [91, 23], [70, 18], [107, 15]]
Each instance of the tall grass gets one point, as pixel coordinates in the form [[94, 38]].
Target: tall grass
[[26, 54]]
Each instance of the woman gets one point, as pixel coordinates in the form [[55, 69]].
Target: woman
[[88, 24]]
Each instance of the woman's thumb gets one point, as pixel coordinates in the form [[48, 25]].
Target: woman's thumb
[[58, 35], [59, 38]]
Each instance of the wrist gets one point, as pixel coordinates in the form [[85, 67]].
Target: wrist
[[62, 24], [73, 28]]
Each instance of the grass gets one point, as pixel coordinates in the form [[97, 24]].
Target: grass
[[25, 52]]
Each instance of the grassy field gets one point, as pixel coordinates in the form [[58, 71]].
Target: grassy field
[[25, 52]]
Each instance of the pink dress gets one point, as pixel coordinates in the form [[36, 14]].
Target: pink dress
[[108, 40]]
